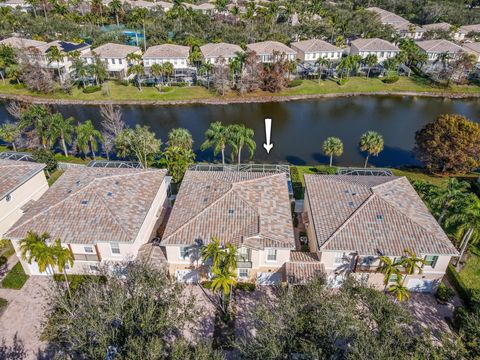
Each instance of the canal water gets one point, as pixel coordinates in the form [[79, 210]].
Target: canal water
[[300, 127]]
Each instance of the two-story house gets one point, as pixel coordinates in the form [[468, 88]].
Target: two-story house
[[103, 215], [434, 48], [250, 210], [265, 51], [212, 51], [21, 184], [458, 34], [115, 56], [352, 220], [381, 48], [177, 55], [313, 49], [21, 43]]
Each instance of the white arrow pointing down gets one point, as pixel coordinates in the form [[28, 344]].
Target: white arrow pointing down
[[268, 130]]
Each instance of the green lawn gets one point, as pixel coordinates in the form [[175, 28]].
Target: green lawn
[[470, 273], [54, 177], [6, 248], [115, 91], [16, 278]]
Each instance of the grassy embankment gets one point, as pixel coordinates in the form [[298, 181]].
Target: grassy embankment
[[117, 92]]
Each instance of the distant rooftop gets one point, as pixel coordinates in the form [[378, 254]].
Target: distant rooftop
[[167, 51], [21, 43], [15, 173], [214, 50], [111, 50], [268, 47], [314, 45], [64, 46], [439, 46], [374, 44]]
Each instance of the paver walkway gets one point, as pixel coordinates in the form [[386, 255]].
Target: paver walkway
[[25, 314]]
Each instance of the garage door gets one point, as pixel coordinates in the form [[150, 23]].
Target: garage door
[[266, 278], [420, 285], [187, 276]]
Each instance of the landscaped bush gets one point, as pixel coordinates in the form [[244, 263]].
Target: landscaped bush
[[92, 89], [245, 286], [16, 278], [391, 79], [294, 83], [179, 84], [458, 284], [76, 280], [444, 293], [3, 260], [342, 81]]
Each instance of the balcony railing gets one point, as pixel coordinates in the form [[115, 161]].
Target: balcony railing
[[86, 257]]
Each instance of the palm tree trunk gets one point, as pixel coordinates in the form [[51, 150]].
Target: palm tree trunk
[[239, 154], [14, 146], [64, 145], [366, 162], [223, 155], [331, 158], [91, 148], [465, 242], [116, 17], [3, 77], [68, 284], [45, 11], [144, 37]]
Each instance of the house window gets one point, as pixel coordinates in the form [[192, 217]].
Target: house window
[[367, 260], [184, 252], [88, 249], [340, 258], [115, 248], [431, 260], [271, 254], [243, 273], [113, 61], [120, 61], [243, 254], [94, 268]]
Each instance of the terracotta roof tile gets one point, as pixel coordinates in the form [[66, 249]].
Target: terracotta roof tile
[[15, 173]]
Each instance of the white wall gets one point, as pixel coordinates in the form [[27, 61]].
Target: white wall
[[178, 63]]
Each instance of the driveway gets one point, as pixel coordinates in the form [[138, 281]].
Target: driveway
[[25, 314], [203, 325]]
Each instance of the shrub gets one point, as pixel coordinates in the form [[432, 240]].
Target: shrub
[[92, 89], [295, 83], [76, 280], [458, 284], [391, 79], [47, 157], [445, 293], [207, 284], [3, 260], [342, 81], [124, 82], [179, 84], [245, 286], [16, 278]]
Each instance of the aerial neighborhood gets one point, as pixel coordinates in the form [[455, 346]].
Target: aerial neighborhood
[[259, 179]]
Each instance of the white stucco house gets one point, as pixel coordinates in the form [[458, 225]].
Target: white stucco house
[[21, 184], [402, 26], [458, 34], [212, 51], [266, 49], [177, 55], [250, 210], [352, 220], [115, 56], [381, 48], [313, 49], [103, 215], [473, 48], [433, 48]]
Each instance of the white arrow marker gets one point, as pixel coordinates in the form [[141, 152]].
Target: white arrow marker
[[268, 131]]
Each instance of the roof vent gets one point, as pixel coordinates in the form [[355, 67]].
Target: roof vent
[[208, 187], [109, 193], [117, 182], [84, 202], [69, 191], [346, 191], [77, 182], [231, 211], [350, 203], [379, 217], [205, 200]]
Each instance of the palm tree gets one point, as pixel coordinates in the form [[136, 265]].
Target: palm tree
[[138, 71], [207, 68], [157, 70], [9, 132], [139, 15], [372, 143], [389, 268], [412, 263], [34, 248], [217, 136], [63, 257], [447, 197], [223, 280], [88, 138], [168, 70], [321, 62], [370, 61], [54, 54], [443, 58], [62, 129], [332, 146], [81, 70], [241, 136], [99, 70], [212, 252], [466, 220], [400, 290], [116, 7], [134, 58], [180, 137]]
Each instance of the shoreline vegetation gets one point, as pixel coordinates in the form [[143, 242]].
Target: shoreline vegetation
[[115, 93]]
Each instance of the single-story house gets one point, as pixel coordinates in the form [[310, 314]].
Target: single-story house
[[473, 48], [313, 49], [62, 67], [382, 48], [434, 48], [21, 184], [103, 215], [457, 33], [115, 56], [177, 55], [402, 26], [21, 43], [250, 210], [352, 220], [266, 49], [212, 51]]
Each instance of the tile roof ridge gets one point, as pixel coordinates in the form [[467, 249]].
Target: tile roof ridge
[[353, 215], [395, 179], [265, 175]]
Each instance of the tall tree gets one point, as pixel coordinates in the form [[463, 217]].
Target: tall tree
[[178, 159], [449, 144], [217, 137], [241, 137], [139, 143], [138, 71], [116, 6], [81, 70], [63, 257], [332, 146], [10, 132], [34, 247], [389, 268], [88, 138], [55, 55], [62, 129], [372, 143], [370, 61]]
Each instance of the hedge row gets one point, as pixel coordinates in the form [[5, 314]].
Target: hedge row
[[457, 282]]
